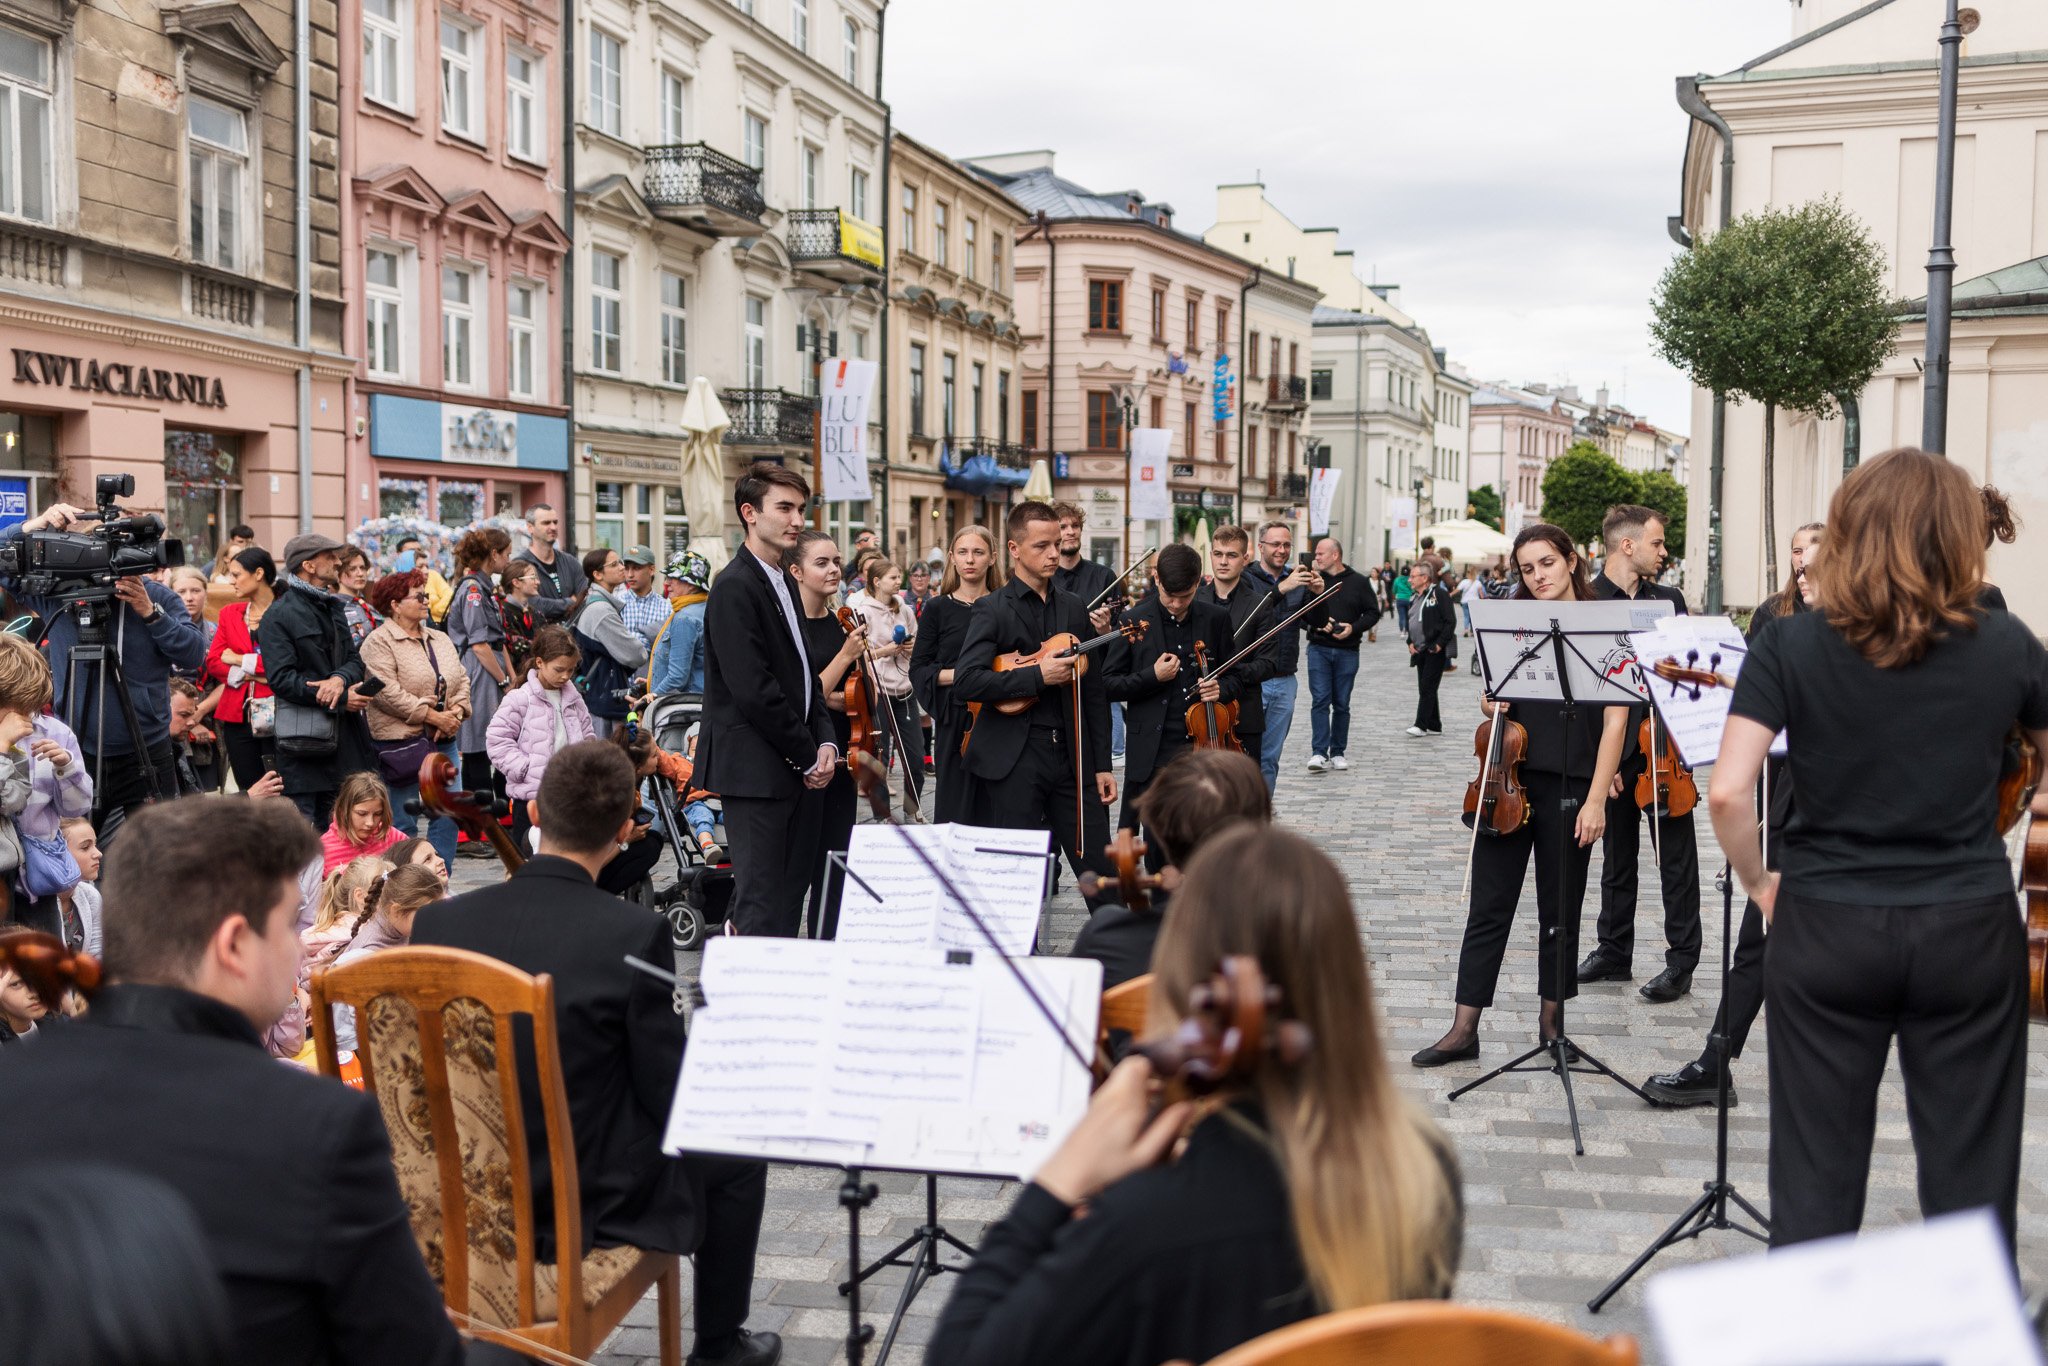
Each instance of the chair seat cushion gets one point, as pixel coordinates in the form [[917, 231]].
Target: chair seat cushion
[[603, 1269]]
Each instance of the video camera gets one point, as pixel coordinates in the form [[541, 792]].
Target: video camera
[[69, 563]]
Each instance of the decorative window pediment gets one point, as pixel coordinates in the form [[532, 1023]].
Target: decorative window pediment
[[226, 52]]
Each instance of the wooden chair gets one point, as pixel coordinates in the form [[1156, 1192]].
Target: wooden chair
[[1432, 1332], [435, 1041], [1124, 1006]]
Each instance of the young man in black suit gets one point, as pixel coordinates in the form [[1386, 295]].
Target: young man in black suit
[[766, 745], [1432, 626], [1156, 673], [1023, 767], [1634, 539], [290, 1174], [621, 1042], [1253, 610]]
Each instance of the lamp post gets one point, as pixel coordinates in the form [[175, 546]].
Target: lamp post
[[1127, 419], [1941, 257]]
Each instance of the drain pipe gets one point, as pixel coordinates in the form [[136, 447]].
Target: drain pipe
[[565, 296], [1244, 294], [888, 163], [1043, 227], [1690, 101], [302, 248]]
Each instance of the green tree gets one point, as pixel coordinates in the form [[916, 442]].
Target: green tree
[[1660, 491], [1580, 486], [1486, 506], [1788, 308]]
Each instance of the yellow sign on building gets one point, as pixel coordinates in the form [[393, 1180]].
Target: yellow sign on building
[[860, 240]]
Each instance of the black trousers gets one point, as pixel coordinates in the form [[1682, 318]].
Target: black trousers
[[630, 866], [246, 752], [904, 709], [1949, 982], [1743, 995], [726, 1195], [1678, 867], [1429, 672], [840, 803], [773, 842], [1500, 863], [1038, 794], [1170, 748], [121, 785]]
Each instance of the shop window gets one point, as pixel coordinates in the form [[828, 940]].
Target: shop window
[[608, 515], [401, 497], [202, 490], [28, 465], [675, 524], [461, 502]]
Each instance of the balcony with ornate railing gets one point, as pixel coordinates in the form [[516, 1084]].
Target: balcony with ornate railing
[[691, 184], [836, 245], [768, 417], [1294, 486], [1286, 393]]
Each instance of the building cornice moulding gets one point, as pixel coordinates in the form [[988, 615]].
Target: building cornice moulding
[[691, 32], [169, 334]]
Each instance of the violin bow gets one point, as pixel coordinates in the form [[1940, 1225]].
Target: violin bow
[[1296, 615], [1114, 583]]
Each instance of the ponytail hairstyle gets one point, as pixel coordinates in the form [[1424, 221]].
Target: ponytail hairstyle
[[1999, 522], [397, 892], [476, 547], [343, 887], [637, 742]]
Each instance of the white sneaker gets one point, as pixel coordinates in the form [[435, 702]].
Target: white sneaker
[[1317, 763], [1417, 730], [1339, 762]]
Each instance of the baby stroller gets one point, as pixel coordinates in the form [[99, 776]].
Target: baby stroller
[[701, 896]]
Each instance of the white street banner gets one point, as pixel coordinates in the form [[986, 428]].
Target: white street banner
[[1401, 522], [1322, 496], [843, 430], [1151, 500]]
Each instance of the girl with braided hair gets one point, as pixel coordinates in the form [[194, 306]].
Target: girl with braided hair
[[384, 922]]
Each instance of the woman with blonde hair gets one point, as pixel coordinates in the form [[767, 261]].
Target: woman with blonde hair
[[1302, 1190], [973, 571], [1891, 911]]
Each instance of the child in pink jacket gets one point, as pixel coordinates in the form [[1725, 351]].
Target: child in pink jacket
[[540, 716]]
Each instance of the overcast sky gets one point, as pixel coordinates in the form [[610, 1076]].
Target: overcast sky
[[1508, 163]]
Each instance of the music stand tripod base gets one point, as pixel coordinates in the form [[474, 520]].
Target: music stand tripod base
[[924, 1264]]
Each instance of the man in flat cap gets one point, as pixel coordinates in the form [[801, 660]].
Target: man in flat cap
[[310, 660]]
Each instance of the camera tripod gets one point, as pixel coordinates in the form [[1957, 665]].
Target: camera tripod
[[93, 651]]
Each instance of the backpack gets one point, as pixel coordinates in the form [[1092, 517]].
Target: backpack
[[603, 679]]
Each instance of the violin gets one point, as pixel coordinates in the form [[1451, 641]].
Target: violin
[[440, 797], [1680, 675], [2019, 776], [1211, 725], [1496, 801], [863, 737], [1664, 781], [1134, 885], [2034, 883], [49, 967], [1235, 1024], [1065, 645]]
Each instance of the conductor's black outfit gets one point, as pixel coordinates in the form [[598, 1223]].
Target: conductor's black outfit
[[1022, 768], [1252, 611], [289, 1173], [1676, 841], [621, 1044], [1432, 630], [764, 719], [941, 632], [1155, 721], [1895, 916]]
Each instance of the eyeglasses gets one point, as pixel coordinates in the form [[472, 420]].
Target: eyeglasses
[[417, 597]]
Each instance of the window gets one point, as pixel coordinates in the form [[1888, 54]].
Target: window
[[386, 52], [860, 346], [1222, 452], [1251, 452], [458, 326], [607, 303], [995, 262], [909, 242], [857, 194], [1319, 384], [1003, 406], [813, 164], [756, 342], [1158, 411], [745, 7], [202, 489], [1194, 338], [461, 84], [525, 116], [523, 318], [1030, 430], [968, 247], [1223, 327], [949, 368], [1105, 306], [1158, 315], [754, 141], [1102, 420], [384, 308], [675, 367], [939, 232], [917, 389], [674, 98], [1293, 359], [1187, 442], [974, 400], [800, 25], [219, 152], [1274, 368], [849, 49], [607, 82]]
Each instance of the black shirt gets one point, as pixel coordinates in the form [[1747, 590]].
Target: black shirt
[[1354, 604], [1896, 769], [1178, 638], [1085, 580], [823, 639], [1121, 939]]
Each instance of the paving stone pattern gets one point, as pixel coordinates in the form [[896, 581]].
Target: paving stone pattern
[[1544, 1229]]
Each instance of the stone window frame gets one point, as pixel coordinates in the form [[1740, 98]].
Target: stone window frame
[[224, 56], [58, 155]]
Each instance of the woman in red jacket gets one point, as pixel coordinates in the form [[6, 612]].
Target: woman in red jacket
[[245, 710]]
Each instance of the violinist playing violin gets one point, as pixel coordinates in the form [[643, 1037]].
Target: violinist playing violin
[[816, 568], [1253, 609], [1296, 1188]]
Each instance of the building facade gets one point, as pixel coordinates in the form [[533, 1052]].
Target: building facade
[[955, 356], [729, 174], [150, 277], [1248, 225], [1516, 434], [453, 250], [1279, 445], [1128, 322], [1847, 108]]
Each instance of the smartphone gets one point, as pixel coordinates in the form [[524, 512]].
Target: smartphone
[[644, 816], [1308, 559], [370, 687]]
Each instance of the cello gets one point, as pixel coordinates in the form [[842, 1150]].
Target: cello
[[862, 736], [440, 797], [1211, 725]]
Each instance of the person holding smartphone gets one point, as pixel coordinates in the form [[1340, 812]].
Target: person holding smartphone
[[1334, 630]]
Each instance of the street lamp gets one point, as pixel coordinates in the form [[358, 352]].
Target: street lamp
[[1941, 257]]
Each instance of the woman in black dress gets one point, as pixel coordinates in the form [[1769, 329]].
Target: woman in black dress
[[1560, 767], [972, 572], [832, 652]]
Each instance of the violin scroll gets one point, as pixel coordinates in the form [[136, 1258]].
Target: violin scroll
[[1134, 885], [48, 966], [440, 797], [1234, 1026]]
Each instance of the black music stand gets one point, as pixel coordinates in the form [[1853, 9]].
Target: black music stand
[[1551, 680]]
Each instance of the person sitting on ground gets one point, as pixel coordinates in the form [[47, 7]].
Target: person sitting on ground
[[421, 851], [385, 922], [1193, 799], [1303, 1190], [650, 759], [361, 824], [341, 900], [81, 901], [539, 717]]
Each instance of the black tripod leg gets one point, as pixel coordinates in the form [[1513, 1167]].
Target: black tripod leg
[[1561, 1051], [1695, 1212], [1733, 1194], [922, 1268], [1512, 1065]]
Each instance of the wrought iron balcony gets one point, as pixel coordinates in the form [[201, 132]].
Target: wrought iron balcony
[[1286, 391], [1294, 486], [836, 245], [1008, 454], [768, 417], [690, 183]]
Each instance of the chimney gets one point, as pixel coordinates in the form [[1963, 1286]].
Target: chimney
[[1568, 392], [1600, 397]]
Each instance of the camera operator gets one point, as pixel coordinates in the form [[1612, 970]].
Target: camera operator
[[310, 659], [153, 636]]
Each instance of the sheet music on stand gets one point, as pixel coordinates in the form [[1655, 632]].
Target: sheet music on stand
[[1694, 710], [1517, 661], [873, 1055], [891, 898]]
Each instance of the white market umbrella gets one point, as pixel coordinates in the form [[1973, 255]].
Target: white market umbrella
[[1465, 540], [1202, 542], [704, 484], [1038, 488]]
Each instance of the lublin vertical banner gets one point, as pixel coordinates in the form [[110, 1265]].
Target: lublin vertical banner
[[846, 387], [1322, 496], [1151, 500]]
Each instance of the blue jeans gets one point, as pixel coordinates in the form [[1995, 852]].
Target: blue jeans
[[1278, 695], [1116, 728], [697, 815], [1401, 615], [440, 830], [1331, 672]]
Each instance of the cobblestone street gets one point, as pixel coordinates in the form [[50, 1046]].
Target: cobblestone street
[[1544, 1229]]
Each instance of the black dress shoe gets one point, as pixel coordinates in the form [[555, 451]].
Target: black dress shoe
[[1598, 967], [753, 1349], [1437, 1057], [1691, 1084], [1667, 985]]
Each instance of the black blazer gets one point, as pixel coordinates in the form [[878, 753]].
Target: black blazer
[[289, 1173], [1439, 620], [1249, 604], [758, 738], [621, 1043], [997, 626], [1128, 676], [305, 640]]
